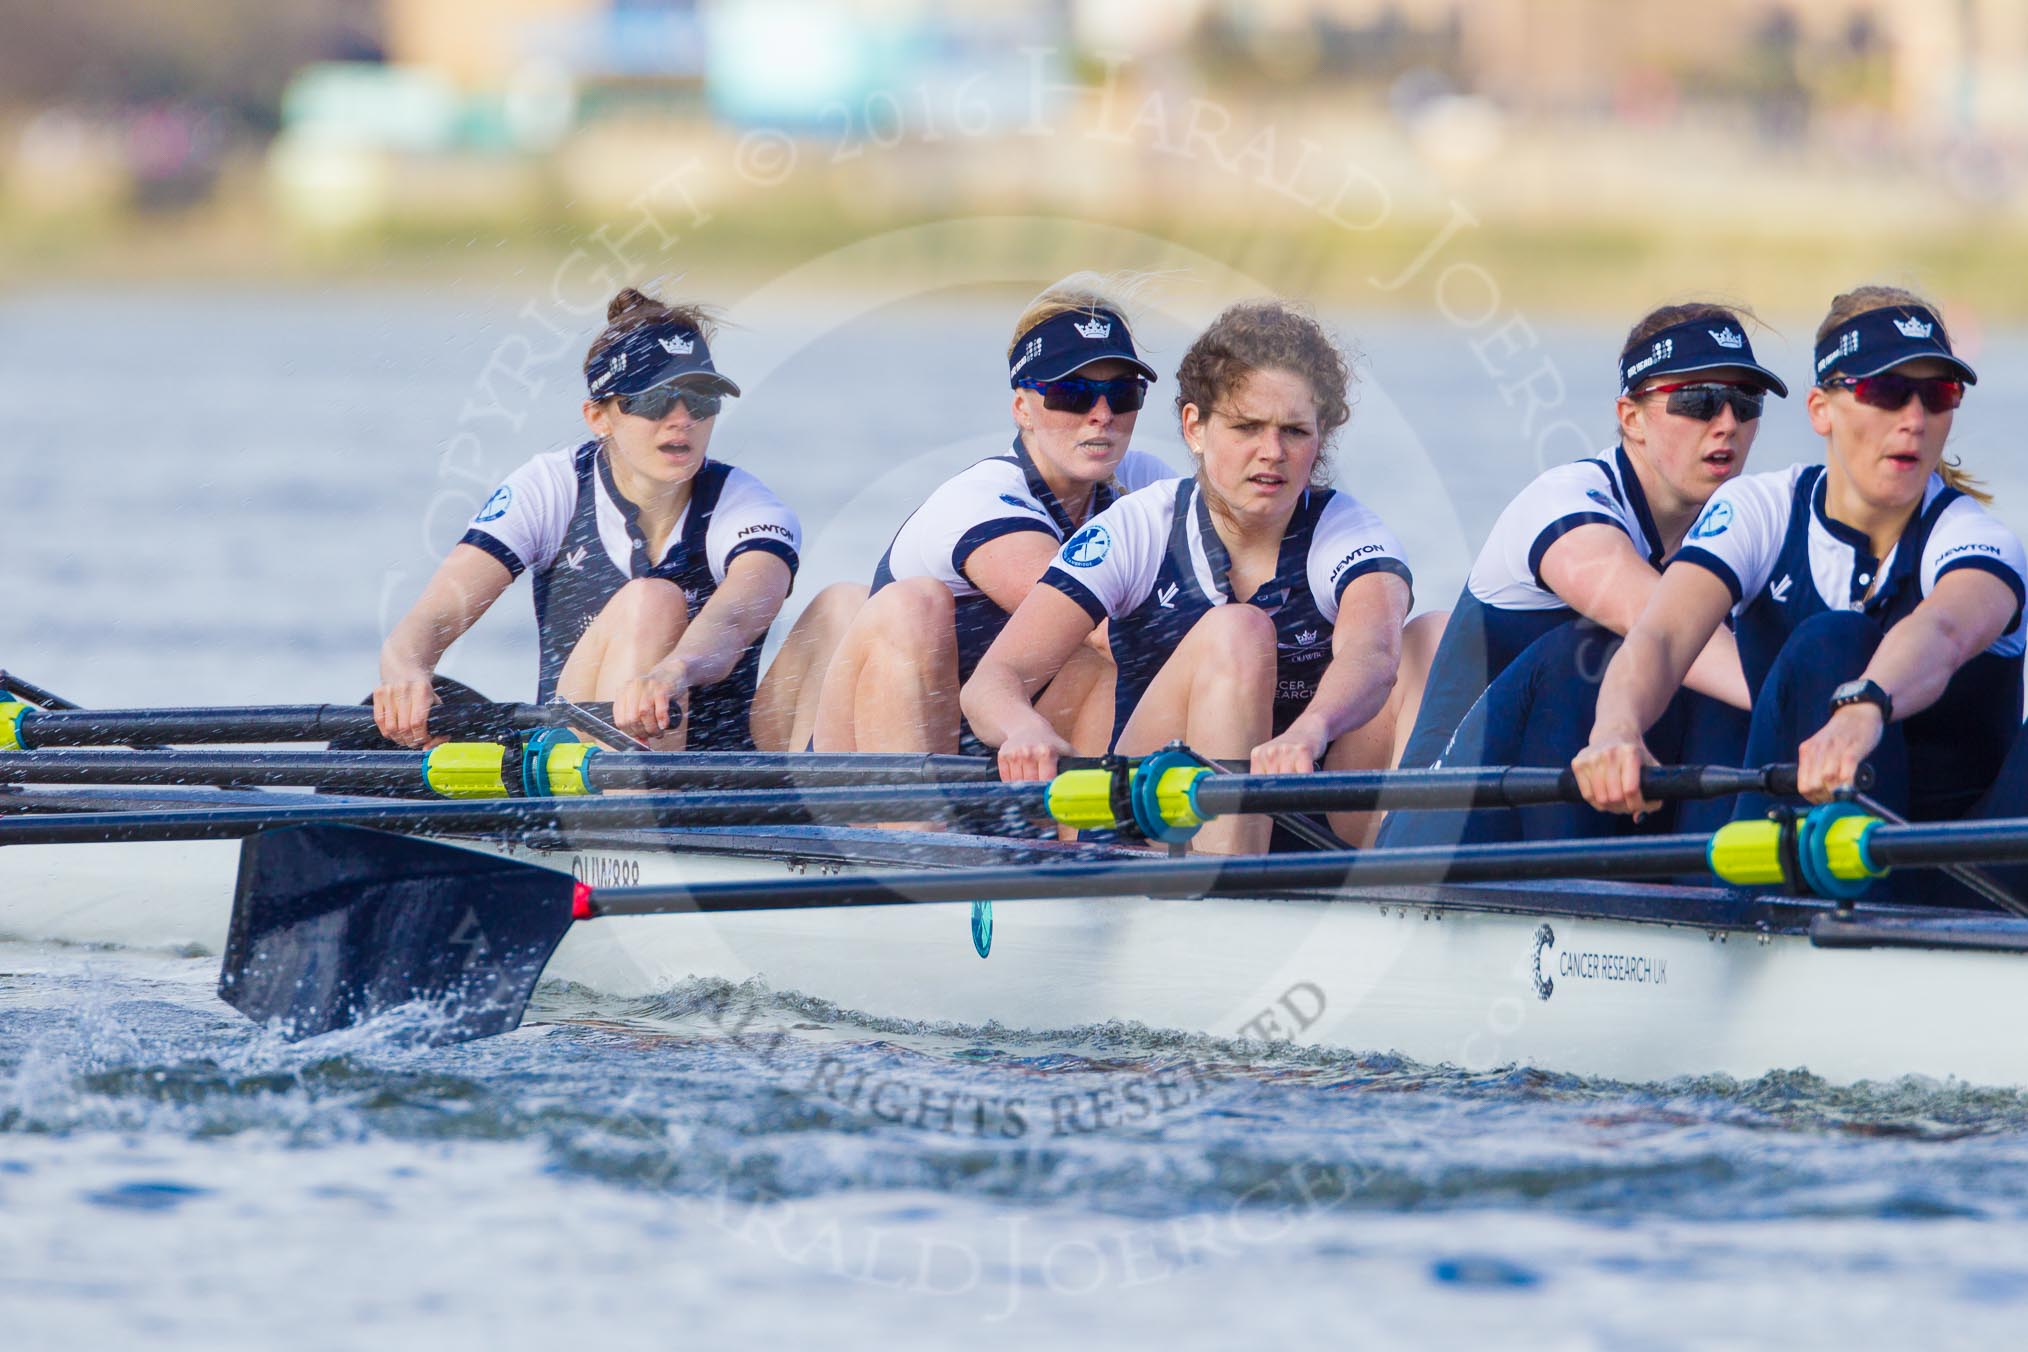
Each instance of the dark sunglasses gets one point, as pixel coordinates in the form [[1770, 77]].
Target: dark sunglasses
[[1703, 399], [1073, 395], [656, 403], [1939, 394]]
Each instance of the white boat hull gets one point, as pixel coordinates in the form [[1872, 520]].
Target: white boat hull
[[1439, 977]]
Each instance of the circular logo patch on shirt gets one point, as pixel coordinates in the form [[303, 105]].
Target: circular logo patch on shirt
[[1088, 548], [1714, 521], [497, 505]]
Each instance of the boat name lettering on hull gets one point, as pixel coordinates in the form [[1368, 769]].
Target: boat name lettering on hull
[[1550, 962], [1635, 967], [605, 870]]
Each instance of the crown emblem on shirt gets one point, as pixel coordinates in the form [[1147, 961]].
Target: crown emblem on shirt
[[1727, 337], [676, 347], [1095, 328], [1306, 636], [1912, 327]]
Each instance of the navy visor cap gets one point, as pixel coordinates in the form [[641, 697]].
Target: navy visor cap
[[1695, 345], [652, 356], [1878, 340], [1063, 343]]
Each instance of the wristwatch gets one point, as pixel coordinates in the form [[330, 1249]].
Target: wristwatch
[[1863, 691]]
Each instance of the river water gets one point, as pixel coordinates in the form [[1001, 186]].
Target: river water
[[225, 497]]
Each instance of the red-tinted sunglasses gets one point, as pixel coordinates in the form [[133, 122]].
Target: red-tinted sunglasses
[[1939, 394]]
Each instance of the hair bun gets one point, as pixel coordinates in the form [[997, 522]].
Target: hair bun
[[628, 300]]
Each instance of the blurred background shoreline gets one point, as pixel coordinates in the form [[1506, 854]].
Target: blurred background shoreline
[[1588, 156]]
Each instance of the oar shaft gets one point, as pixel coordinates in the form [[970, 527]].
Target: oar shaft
[[1194, 877], [404, 772], [788, 807], [1463, 787], [40, 729]]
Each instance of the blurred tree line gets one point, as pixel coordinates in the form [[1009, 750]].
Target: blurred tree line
[[235, 56]]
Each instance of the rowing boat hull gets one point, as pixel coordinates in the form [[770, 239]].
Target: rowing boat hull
[[1592, 980]]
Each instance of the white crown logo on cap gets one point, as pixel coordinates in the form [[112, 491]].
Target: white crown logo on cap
[[1912, 327], [1095, 328], [676, 347], [1727, 337]]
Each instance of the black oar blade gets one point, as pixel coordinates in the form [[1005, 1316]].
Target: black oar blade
[[333, 925]]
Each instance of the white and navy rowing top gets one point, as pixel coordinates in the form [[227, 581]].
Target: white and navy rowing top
[[1505, 604], [999, 496], [561, 517], [1153, 564], [1767, 537]]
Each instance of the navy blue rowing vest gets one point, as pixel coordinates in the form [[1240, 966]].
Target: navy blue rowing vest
[[582, 579], [1790, 597], [1143, 639]]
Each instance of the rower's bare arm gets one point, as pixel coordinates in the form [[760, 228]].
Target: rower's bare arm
[[738, 613], [999, 700], [1685, 609], [1006, 569], [1599, 574], [1365, 660], [1961, 617], [465, 585]]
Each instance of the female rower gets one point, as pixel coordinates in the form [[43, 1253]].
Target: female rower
[[1876, 601], [657, 569], [971, 553], [1255, 612], [1568, 568]]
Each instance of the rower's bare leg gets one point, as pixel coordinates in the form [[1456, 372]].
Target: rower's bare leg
[[638, 628], [1216, 692], [785, 703], [1419, 640], [1079, 705], [893, 683], [1377, 744]]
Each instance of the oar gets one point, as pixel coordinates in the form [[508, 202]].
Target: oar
[[1081, 798], [27, 690], [25, 727], [486, 769], [332, 925]]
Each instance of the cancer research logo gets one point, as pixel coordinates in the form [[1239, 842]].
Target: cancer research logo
[[1088, 548], [1728, 337], [1662, 351], [1028, 354], [1095, 328], [1714, 521], [497, 505], [676, 347], [1912, 327], [1545, 984]]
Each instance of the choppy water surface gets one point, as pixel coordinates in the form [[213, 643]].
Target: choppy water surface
[[239, 520], [715, 1161]]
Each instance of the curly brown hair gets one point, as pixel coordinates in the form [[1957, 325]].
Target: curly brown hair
[[631, 309], [1269, 335]]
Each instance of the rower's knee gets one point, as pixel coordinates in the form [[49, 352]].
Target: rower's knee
[[833, 608], [647, 602], [916, 613], [1236, 641]]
